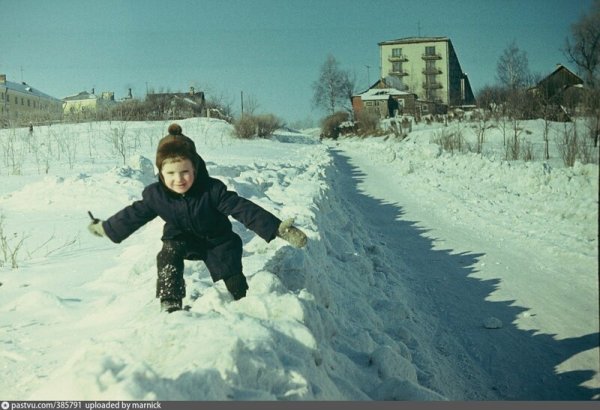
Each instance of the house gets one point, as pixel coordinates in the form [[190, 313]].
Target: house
[[553, 86], [428, 67], [559, 94], [22, 104], [88, 102], [178, 105], [384, 101]]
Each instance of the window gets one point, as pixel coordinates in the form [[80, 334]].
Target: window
[[396, 67], [396, 52], [430, 50]]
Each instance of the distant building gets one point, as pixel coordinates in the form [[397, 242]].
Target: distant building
[[177, 105], [561, 93], [384, 101], [428, 67], [21, 104], [557, 83], [88, 102]]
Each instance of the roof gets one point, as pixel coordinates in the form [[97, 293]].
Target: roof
[[560, 67], [381, 94], [84, 95], [410, 40], [25, 88]]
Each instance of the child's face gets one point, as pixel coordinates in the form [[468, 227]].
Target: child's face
[[178, 175]]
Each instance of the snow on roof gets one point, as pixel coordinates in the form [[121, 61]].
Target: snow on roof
[[407, 40], [381, 93], [84, 95], [27, 89]]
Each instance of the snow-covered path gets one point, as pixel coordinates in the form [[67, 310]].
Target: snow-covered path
[[462, 270]]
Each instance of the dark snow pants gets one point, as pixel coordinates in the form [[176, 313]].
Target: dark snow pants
[[222, 258]]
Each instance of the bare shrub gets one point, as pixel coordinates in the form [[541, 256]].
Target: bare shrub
[[574, 147], [119, 141], [67, 145], [567, 144], [330, 125], [368, 122], [513, 147], [256, 126], [10, 246], [451, 140], [245, 127], [14, 152], [268, 124], [481, 126], [527, 151]]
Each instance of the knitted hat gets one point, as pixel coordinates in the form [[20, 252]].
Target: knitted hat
[[175, 145]]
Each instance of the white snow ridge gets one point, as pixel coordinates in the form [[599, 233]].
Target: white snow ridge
[[427, 276]]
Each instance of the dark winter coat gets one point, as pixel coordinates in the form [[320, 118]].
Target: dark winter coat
[[200, 216]]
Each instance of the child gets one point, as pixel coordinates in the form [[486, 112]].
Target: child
[[195, 208]]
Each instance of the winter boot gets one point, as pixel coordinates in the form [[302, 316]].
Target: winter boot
[[170, 305], [237, 286]]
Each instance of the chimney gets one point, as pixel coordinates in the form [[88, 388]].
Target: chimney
[[129, 95], [93, 91], [192, 91], [2, 78]]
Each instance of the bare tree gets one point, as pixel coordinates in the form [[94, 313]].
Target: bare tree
[[220, 106], [584, 48], [513, 67], [251, 105], [334, 87]]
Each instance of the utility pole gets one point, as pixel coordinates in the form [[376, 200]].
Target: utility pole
[[242, 98], [368, 75]]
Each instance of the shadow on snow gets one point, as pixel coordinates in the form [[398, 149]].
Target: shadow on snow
[[456, 356]]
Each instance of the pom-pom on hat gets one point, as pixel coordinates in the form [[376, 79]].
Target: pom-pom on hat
[[175, 129]]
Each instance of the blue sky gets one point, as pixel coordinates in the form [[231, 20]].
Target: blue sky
[[269, 49]]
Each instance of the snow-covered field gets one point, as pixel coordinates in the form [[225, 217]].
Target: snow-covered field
[[427, 276]]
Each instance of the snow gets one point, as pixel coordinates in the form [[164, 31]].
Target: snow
[[427, 276]]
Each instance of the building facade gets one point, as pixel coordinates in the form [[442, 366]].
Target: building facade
[[178, 105], [428, 67], [384, 102], [21, 104], [86, 103]]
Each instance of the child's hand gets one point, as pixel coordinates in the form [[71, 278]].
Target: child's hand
[[96, 226], [288, 232]]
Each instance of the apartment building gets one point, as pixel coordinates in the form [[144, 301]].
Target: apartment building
[[21, 104], [428, 67]]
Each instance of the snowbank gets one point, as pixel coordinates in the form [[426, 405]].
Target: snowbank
[[83, 323]]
